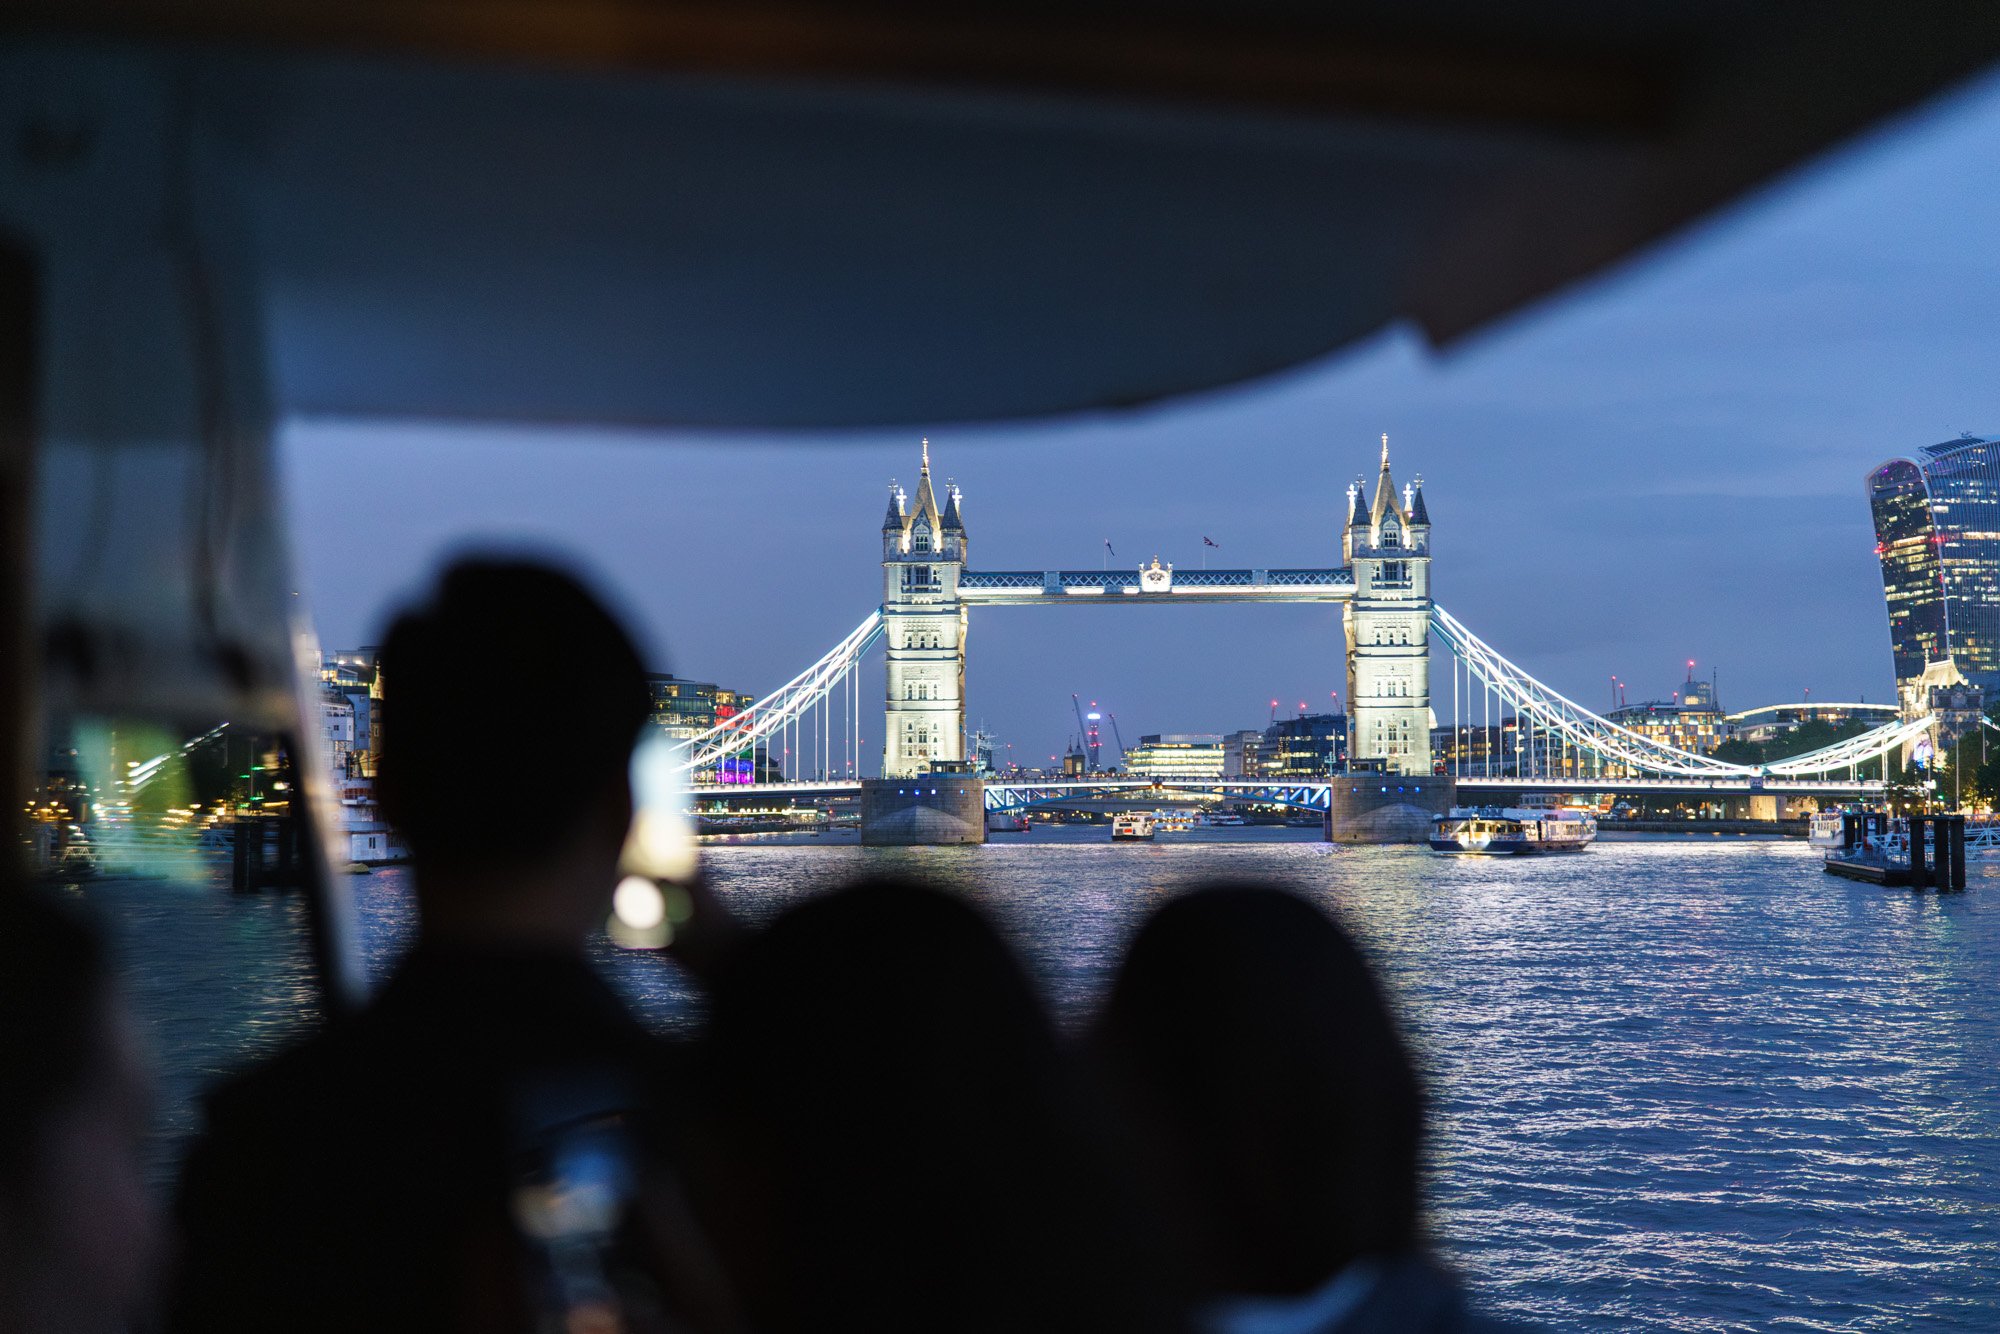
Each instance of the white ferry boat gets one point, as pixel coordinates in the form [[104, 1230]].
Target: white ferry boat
[[1497, 830], [1223, 820], [1826, 830], [1134, 825]]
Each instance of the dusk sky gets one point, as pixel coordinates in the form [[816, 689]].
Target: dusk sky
[[1666, 464]]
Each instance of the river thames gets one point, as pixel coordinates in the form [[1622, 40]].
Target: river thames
[[1678, 1085]]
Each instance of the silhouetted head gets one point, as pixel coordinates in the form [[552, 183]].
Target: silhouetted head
[[512, 701], [1254, 1042], [907, 1149], [78, 1233]]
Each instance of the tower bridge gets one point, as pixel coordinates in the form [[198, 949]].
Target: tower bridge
[[1383, 586], [1390, 623]]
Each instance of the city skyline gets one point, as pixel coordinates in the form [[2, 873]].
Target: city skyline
[[1665, 465]]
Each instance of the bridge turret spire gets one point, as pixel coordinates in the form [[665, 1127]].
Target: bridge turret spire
[[893, 521], [1356, 530], [923, 506], [1385, 491], [1420, 517]]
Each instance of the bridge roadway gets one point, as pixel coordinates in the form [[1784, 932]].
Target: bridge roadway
[[1317, 795]]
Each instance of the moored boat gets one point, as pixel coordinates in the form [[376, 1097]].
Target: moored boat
[[1827, 830], [1510, 831]]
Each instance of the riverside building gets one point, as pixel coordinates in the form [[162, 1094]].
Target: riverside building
[[1476, 750], [1176, 755], [1691, 721], [684, 710], [1242, 754], [1773, 721], [1937, 534], [349, 680], [1312, 745]]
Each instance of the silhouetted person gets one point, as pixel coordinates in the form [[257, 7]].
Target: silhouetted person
[[388, 1174], [78, 1235], [901, 1143], [1264, 1069]]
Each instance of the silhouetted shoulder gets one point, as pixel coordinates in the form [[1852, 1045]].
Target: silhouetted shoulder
[[1404, 1295], [1413, 1295], [356, 1176]]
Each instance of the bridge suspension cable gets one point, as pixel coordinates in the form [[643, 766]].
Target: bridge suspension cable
[[801, 710], [1562, 720], [1854, 750]]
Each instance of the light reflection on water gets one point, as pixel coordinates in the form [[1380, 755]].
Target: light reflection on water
[[1678, 1085]]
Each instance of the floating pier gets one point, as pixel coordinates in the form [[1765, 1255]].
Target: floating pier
[[1936, 857]]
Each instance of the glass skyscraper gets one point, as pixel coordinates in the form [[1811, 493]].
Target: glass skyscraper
[[1937, 531]]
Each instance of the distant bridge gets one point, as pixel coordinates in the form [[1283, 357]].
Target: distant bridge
[[1312, 795]]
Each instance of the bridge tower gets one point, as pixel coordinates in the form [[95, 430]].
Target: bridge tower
[[1388, 546], [923, 553]]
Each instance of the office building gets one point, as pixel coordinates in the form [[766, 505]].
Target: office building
[[1692, 720], [1312, 745], [1242, 754], [1176, 755], [1476, 750], [1937, 534], [351, 708], [686, 709]]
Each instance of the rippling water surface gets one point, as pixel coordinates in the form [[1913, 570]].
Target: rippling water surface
[[1679, 1085]]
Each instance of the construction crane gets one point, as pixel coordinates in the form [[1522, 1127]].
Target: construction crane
[[1117, 736], [1086, 733]]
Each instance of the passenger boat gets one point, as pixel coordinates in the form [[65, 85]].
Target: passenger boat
[[1006, 822], [1223, 820], [1174, 822], [1498, 830], [1133, 825], [1826, 830]]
